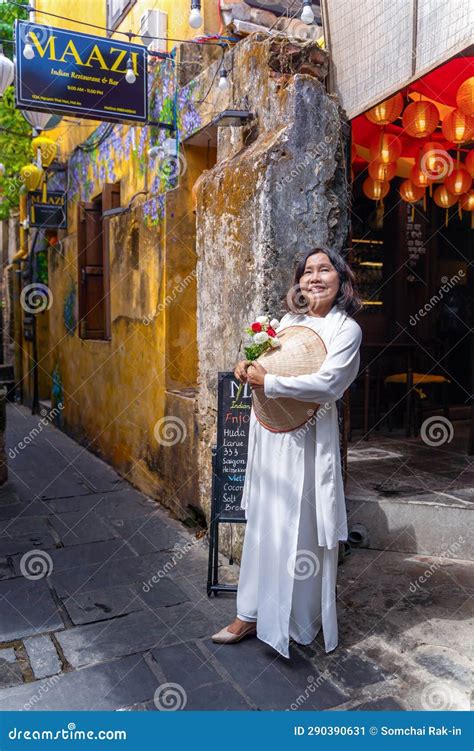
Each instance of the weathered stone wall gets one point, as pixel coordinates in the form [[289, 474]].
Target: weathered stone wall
[[278, 189]]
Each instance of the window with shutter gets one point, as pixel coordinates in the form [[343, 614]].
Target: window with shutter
[[93, 264], [117, 10]]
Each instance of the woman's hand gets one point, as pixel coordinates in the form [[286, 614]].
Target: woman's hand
[[256, 375], [240, 370]]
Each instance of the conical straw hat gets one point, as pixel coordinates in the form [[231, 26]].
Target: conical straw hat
[[301, 351]]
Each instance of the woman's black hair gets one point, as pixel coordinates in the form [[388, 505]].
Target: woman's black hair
[[347, 298]]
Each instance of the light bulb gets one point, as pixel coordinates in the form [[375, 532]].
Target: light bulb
[[223, 81], [28, 50], [195, 18], [307, 16], [130, 76]]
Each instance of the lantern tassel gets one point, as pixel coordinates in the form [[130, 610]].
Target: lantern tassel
[[412, 213], [446, 219], [424, 201], [459, 211], [45, 189]]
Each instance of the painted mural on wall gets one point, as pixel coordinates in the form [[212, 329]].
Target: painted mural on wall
[[111, 148], [69, 310], [57, 393]]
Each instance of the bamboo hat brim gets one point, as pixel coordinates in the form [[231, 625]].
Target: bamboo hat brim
[[301, 351]]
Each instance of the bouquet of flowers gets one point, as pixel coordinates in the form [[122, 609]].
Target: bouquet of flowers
[[264, 337]]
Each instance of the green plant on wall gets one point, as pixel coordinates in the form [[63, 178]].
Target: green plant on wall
[[15, 132], [42, 266]]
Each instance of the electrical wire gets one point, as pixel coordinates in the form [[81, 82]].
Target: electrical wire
[[29, 8]]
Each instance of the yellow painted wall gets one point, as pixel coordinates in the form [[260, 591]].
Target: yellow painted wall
[[118, 394]]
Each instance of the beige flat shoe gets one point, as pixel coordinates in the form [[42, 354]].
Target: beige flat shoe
[[224, 636]]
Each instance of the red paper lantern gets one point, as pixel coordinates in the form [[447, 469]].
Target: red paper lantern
[[375, 189], [380, 171], [469, 163], [465, 96], [457, 127], [419, 177], [458, 182], [411, 193], [385, 148], [387, 111], [444, 199], [420, 119], [466, 203]]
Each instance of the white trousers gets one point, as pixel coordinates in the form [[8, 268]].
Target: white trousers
[[314, 577]]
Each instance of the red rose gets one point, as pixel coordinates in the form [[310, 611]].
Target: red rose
[[256, 327], [271, 332]]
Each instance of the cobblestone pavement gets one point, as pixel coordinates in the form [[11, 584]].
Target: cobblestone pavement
[[104, 607]]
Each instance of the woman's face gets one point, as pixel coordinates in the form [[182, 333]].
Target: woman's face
[[319, 282]]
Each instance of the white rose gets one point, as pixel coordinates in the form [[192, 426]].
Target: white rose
[[274, 341], [274, 323], [262, 319], [261, 337]]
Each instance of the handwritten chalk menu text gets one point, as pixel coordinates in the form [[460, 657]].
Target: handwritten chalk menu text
[[233, 418]]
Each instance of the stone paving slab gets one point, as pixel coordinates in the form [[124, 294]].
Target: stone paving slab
[[119, 504], [44, 660], [80, 555], [10, 670], [75, 527], [99, 688], [272, 681], [131, 569], [10, 545], [102, 604], [27, 608], [134, 632]]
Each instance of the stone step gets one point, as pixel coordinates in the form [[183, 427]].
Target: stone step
[[435, 523]]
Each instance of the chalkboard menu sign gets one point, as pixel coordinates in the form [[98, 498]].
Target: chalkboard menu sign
[[233, 420], [229, 461]]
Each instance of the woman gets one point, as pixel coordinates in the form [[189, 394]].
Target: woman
[[293, 493]]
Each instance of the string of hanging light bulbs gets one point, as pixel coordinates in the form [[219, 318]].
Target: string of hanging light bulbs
[[195, 21]]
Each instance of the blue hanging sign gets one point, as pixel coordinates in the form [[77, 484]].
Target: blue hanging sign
[[79, 74]]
